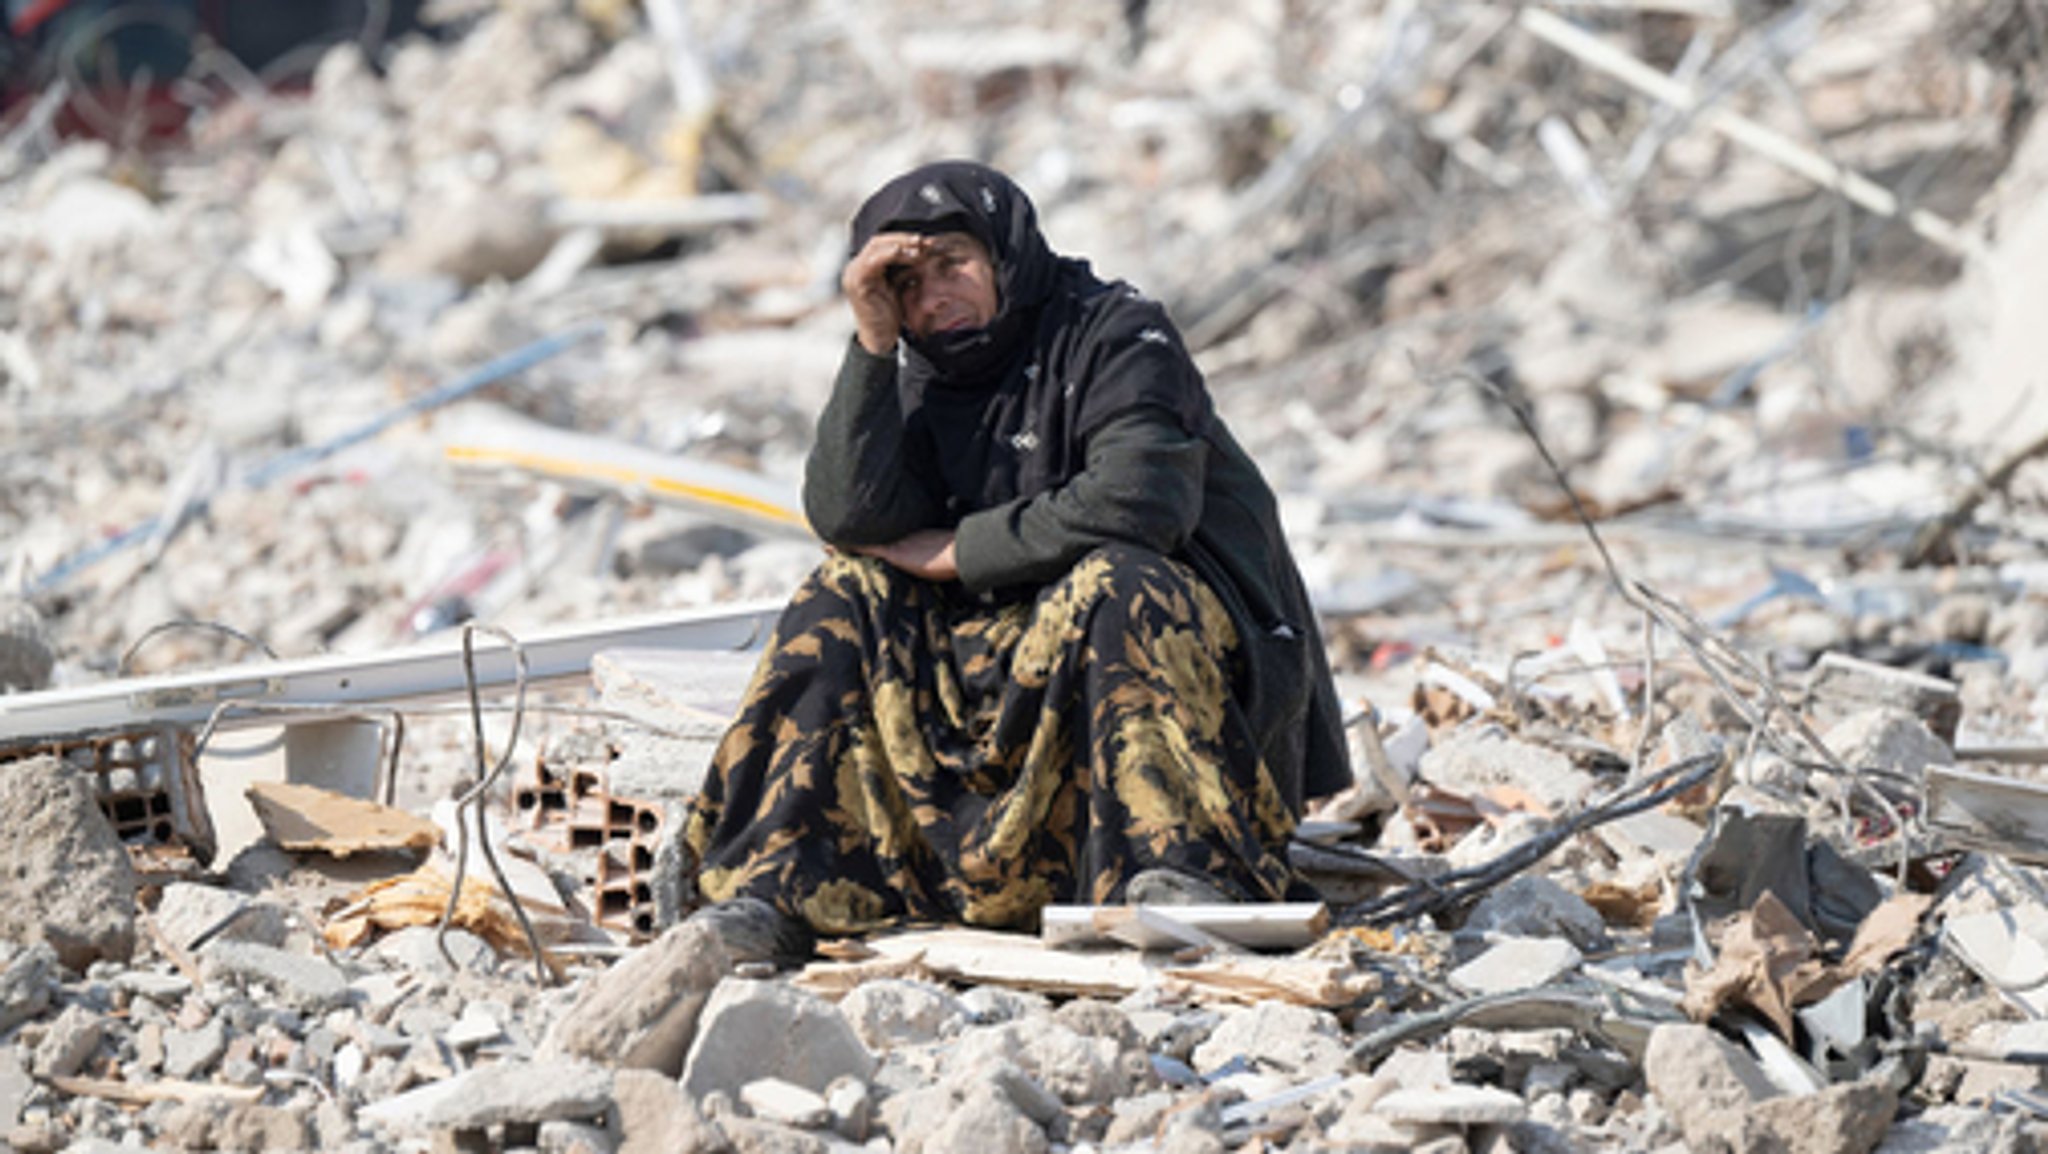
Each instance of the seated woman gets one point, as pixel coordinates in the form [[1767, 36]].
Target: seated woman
[[1060, 652]]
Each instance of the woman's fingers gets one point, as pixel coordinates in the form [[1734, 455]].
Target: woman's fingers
[[877, 317]]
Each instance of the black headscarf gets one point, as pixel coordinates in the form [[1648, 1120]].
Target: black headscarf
[[1005, 409]]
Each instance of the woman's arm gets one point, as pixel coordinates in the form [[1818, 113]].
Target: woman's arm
[[1141, 483], [858, 486]]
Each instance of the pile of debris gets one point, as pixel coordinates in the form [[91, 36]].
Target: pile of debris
[[1719, 828]]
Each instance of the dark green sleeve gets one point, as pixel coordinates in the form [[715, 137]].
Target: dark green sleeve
[[859, 488], [1141, 483]]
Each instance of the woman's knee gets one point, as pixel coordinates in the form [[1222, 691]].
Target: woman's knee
[[853, 576]]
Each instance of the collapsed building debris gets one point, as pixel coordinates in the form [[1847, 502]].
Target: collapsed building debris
[[1718, 827]]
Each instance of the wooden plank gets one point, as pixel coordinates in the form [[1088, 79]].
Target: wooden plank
[[1022, 962], [1258, 926], [1018, 961], [154, 1090], [1983, 812]]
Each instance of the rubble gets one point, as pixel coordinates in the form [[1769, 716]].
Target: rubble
[[1720, 829]]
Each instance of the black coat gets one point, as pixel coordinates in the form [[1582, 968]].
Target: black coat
[[1140, 479], [1075, 418]]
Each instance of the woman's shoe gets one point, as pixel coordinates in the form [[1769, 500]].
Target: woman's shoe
[[754, 931], [1160, 886]]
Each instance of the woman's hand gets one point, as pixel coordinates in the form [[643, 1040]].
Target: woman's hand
[[927, 553], [877, 314]]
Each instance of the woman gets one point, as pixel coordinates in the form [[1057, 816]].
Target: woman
[[1060, 652]]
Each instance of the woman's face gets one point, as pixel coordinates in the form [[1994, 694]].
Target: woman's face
[[951, 286]]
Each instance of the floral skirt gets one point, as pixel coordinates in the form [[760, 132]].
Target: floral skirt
[[908, 753]]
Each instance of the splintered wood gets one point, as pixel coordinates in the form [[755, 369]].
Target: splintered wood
[[1021, 962]]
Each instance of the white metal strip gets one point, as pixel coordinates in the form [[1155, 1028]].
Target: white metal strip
[[430, 670]]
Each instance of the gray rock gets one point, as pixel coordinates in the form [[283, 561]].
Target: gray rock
[[1179, 1036], [1722, 1100], [1888, 738], [565, 1137], [68, 1042], [984, 1121], [15, 1087], [189, 1054], [417, 950], [643, 1012], [1954, 1130], [1516, 964], [188, 910], [1533, 906], [896, 1012], [1137, 1118], [753, 1136], [853, 1108], [252, 1126], [1478, 759], [1846, 1118], [1456, 1105], [521, 1092], [1093, 1018], [64, 877], [165, 989], [1705, 1082], [785, 1103], [1296, 1039], [475, 1027], [26, 656], [652, 1115], [303, 983], [755, 1029], [189, 1125], [986, 1005], [1023, 1091], [26, 983], [1079, 1070]]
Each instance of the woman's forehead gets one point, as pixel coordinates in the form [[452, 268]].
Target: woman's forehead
[[959, 244]]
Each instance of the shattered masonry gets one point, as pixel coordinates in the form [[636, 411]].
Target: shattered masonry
[[1725, 834]]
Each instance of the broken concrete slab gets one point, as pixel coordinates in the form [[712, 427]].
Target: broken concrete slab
[[1534, 906], [1454, 1105], [984, 1119], [68, 1042], [753, 1029], [521, 1092], [643, 1012], [186, 910], [27, 979], [1704, 1081], [307, 984], [785, 1103], [1845, 1118], [1472, 761], [1305, 1041], [1516, 964], [1841, 685], [652, 1115], [65, 879], [892, 1012], [1075, 1068], [1888, 739]]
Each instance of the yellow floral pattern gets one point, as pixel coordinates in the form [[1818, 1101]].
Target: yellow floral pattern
[[909, 753]]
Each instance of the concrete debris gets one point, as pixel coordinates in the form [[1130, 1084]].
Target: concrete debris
[[521, 314], [65, 879], [753, 1029]]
